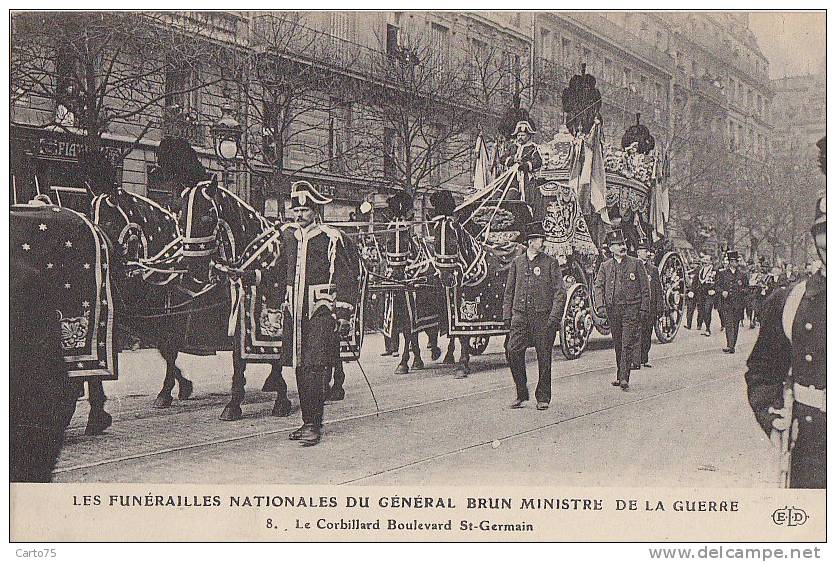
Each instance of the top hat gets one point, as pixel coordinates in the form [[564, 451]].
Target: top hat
[[443, 203], [614, 237], [303, 194], [523, 127], [534, 229], [733, 255], [820, 219]]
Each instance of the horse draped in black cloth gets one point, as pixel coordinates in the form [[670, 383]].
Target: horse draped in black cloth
[[163, 303], [61, 332], [409, 311]]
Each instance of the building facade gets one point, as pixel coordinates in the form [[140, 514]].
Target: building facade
[[691, 76]]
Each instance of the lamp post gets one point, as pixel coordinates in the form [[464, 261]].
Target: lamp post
[[226, 135]]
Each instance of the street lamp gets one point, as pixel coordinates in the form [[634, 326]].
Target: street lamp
[[226, 133]]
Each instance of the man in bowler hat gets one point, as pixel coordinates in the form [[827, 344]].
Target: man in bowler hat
[[532, 308], [622, 294]]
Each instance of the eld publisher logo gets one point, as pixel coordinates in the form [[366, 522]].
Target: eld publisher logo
[[789, 516]]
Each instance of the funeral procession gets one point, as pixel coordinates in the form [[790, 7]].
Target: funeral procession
[[417, 248]]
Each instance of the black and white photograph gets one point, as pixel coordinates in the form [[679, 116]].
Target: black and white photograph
[[391, 253]]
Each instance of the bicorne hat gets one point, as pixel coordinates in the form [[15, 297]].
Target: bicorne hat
[[303, 194], [523, 127]]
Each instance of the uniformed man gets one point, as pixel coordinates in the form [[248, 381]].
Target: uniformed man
[[787, 377], [532, 307], [732, 284], [525, 153], [622, 294], [690, 300], [657, 303], [705, 293], [322, 291]]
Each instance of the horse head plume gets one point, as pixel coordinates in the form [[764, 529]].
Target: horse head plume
[[581, 103], [180, 162], [99, 172], [640, 135]]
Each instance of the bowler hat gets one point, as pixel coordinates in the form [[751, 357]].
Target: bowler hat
[[614, 237], [534, 230]]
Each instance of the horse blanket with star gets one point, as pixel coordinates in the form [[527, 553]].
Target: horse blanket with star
[[73, 254]]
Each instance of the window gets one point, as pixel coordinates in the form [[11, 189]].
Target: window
[[440, 37], [68, 87], [546, 43], [342, 25], [181, 88], [628, 78], [608, 71], [339, 135], [390, 154], [566, 54], [392, 40], [272, 144]]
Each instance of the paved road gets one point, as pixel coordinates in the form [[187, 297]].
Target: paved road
[[685, 422]]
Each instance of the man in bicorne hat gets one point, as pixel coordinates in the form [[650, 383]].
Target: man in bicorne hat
[[732, 283], [532, 308], [622, 294], [322, 291], [525, 153]]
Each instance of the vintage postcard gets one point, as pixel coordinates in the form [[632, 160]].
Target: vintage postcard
[[453, 276]]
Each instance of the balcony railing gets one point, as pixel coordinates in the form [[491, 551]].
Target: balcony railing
[[710, 90], [598, 24]]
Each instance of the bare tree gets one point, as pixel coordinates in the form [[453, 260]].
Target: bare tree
[[420, 114], [299, 104], [98, 72]]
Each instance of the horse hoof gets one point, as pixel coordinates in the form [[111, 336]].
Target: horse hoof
[[98, 422], [402, 369], [232, 412], [162, 401], [435, 353], [185, 390], [280, 409], [270, 384], [448, 360], [418, 365]]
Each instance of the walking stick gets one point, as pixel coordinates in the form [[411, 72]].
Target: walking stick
[[785, 445], [363, 371]]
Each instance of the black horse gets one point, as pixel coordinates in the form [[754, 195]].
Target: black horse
[[224, 235]]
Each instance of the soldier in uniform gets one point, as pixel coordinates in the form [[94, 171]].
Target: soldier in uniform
[[532, 306], [732, 283], [525, 153], [622, 294], [319, 302], [787, 376], [657, 304]]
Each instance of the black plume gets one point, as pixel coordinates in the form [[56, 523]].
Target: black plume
[[180, 161], [640, 134], [581, 102], [98, 170], [513, 115], [400, 204]]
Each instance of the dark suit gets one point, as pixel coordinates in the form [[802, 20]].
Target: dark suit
[[732, 286], [705, 295], [624, 291], [529, 159], [657, 308], [769, 369], [533, 304]]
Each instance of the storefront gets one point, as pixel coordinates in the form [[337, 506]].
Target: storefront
[[46, 163]]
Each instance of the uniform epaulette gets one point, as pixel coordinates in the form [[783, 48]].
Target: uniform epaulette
[[331, 231]]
